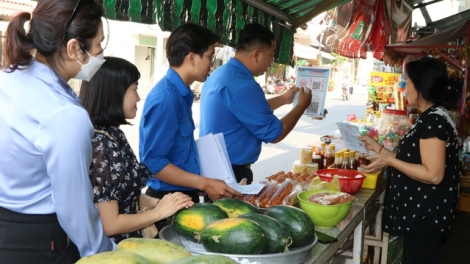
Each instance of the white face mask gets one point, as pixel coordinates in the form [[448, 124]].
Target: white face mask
[[89, 69]]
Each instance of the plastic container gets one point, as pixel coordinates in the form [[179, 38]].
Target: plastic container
[[350, 182], [325, 216], [391, 127], [370, 182], [310, 169], [305, 155], [297, 167]]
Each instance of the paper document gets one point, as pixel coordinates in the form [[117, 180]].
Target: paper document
[[350, 134], [254, 188], [213, 158]]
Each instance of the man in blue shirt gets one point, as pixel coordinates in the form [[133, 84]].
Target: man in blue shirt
[[233, 103], [167, 144]]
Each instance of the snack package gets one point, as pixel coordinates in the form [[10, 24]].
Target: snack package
[[251, 198], [331, 198], [260, 202], [282, 191], [291, 199]]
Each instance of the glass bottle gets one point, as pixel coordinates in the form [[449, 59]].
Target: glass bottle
[[329, 157], [352, 160], [319, 152], [345, 162], [337, 160]]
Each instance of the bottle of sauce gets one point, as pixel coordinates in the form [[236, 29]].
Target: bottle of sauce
[[329, 157], [337, 160], [319, 152], [361, 161], [345, 162], [352, 161]]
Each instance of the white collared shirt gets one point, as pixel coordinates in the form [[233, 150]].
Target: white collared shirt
[[45, 154]]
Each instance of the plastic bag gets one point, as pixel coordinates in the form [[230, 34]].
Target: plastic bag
[[395, 250], [318, 184]]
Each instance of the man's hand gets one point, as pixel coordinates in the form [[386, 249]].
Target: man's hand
[[305, 97], [217, 189], [288, 96]]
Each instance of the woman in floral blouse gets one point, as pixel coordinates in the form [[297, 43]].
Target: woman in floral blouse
[[421, 197], [116, 175]]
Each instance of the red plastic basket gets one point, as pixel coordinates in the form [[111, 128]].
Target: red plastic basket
[[348, 182]]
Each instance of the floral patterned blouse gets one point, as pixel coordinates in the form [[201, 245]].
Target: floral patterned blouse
[[116, 174], [407, 201]]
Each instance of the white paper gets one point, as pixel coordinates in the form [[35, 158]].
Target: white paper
[[254, 188], [213, 158], [351, 134]]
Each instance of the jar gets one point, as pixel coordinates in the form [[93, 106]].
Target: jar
[[391, 127], [311, 168], [316, 159], [306, 155], [298, 167]]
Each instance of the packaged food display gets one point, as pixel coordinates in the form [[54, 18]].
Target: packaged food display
[[284, 189], [391, 127]]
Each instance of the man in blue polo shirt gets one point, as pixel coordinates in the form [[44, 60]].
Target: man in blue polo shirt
[[233, 103], [166, 134]]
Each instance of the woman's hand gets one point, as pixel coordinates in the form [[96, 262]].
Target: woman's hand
[[370, 143], [378, 163], [172, 203]]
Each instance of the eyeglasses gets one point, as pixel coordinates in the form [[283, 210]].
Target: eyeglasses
[[73, 15], [211, 57]]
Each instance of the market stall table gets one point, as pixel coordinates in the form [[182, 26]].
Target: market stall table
[[362, 212]]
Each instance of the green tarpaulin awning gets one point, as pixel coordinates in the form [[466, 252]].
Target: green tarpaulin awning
[[225, 17]]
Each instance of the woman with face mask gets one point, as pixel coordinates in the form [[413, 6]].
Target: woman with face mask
[[47, 214], [116, 176]]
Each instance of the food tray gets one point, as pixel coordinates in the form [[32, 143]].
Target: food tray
[[294, 256]]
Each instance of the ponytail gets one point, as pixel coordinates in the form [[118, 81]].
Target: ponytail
[[18, 44]]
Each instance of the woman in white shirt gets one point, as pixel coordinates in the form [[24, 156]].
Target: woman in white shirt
[[47, 213]]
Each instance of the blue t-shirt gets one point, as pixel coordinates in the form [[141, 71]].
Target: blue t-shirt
[[166, 132], [233, 103]]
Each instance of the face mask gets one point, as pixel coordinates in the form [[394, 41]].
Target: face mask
[[89, 69]]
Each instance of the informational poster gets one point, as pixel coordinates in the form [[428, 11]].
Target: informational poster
[[317, 80]]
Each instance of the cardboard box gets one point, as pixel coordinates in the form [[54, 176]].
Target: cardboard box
[[464, 195]]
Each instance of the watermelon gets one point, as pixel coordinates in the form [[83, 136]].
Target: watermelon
[[235, 207], [233, 236], [114, 257], [206, 259], [189, 222], [156, 251], [276, 233], [300, 225]]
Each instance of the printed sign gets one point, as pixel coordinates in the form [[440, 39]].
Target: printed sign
[[315, 79]]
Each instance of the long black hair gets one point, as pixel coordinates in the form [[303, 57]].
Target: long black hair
[[103, 95]]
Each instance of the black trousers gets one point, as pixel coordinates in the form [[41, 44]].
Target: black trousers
[[243, 171], [159, 195], [34, 239], [421, 244]]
